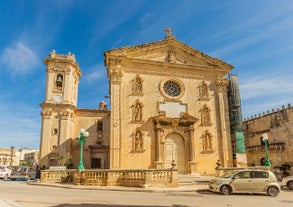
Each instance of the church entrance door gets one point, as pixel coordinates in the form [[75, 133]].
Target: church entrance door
[[174, 150]]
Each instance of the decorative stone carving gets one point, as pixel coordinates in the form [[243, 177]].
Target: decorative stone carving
[[138, 141], [203, 90], [46, 114], [137, 112], [115, 73], [50, 70], [65, 115], [222, 84], [171, 56], [205, 116], [207, 144], [137, 85], [67, 70]]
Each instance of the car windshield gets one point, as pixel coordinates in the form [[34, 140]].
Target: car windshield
[[228, 174]]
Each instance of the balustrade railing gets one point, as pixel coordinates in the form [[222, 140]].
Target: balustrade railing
[[273, 147], [130, 178]]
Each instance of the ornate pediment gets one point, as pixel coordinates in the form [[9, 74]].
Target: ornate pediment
[[168, 51], [185, 120]]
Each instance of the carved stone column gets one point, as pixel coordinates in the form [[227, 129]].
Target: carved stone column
[[225, 150], [192, 161], [45, 136], [66, 88], [50, 79], [115, 75], [65, 133], [158, 159]]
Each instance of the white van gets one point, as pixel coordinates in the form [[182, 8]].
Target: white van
[[24, 173]]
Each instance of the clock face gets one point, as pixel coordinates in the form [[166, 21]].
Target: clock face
[[57, 98]]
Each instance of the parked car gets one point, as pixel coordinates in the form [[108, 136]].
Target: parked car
[[23, 173], [246, 181], [288, 182], [4, 172]]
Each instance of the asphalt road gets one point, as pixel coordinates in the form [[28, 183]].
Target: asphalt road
[[19, 194]]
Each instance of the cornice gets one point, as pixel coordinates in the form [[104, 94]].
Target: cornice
[[92, 112], [128, 53]]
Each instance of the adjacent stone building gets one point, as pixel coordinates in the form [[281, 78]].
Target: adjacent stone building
[[278, 125], [168, 106]]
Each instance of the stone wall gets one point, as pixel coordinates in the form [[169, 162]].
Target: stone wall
[[278, 124]]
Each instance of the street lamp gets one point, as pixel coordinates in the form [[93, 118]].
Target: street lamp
[[81, 139], [11, 155], [265, 139]]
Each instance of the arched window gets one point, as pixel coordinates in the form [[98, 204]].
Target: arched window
[[59, 82]]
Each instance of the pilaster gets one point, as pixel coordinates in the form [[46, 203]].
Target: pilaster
[[224, 137], [115, 75], [45, 136]]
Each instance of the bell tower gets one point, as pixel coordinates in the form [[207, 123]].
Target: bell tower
[[62, 79], [58, 107]]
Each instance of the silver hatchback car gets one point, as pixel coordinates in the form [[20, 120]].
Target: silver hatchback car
[[246, 181]]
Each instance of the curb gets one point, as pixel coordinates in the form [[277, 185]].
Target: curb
[[190, 188]]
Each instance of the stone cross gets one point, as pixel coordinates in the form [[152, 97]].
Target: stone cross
[[169, 31]]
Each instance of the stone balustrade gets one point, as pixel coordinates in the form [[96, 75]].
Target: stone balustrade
[[128, 178]]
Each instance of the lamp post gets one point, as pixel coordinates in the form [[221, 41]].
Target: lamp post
[[11, 155], [81, 139], [265, 139]]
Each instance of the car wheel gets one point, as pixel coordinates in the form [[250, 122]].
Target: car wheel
[[273, 191], [226, 190], [290, 185], [13, 179]]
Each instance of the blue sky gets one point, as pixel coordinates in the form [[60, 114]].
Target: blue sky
[[255, 36]]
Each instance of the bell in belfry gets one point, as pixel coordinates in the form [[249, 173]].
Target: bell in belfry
[[59, 79]]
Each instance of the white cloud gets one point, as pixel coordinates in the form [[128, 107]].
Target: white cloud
[[264, 93], [94, 73], [19, 59], [265, 86], [21, 126]]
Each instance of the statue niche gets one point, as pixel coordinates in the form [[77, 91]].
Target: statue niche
[[137, 85], [205, 116], [137, 112], [138, 141], [203, 90], [207, 142]]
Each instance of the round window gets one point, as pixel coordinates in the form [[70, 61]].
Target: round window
[[172, 88]]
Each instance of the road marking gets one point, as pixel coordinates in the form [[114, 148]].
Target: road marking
[[8, 203]]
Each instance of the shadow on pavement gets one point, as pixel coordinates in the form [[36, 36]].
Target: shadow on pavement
[[104, 205]]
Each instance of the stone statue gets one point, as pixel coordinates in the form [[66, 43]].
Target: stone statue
[[137, 112], [138, 141], [137, 85], [204, 90], [171, 57], [207, 142], [205, 115]]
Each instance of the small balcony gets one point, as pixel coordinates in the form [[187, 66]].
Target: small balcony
[[273, 147]]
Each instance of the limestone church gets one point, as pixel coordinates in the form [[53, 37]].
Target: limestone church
[[168, 104]]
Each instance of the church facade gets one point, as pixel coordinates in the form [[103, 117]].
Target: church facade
[[169, 106]]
